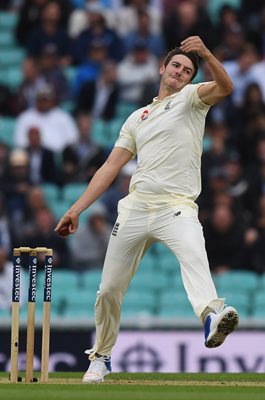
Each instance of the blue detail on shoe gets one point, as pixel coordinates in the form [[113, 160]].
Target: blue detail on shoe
[[218, 326], [207, 326], [107, 361]]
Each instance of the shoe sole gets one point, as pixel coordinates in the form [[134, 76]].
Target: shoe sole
[[226, 326]]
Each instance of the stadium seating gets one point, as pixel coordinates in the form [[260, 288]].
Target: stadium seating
[[8, 21], [123, 110], [14, 77], [58, 208], [113, 128], [139, 301], [148, 264], [237, 281], [258, 305], [6, 39], [7, 127], [80, 302], [72, 191], [11, 57], [168, 262], [262, 282], [68, 106], [242, 301], [213, 7], [51, 192], [146, 280], [5, 314], [90, 280], [70, 73]]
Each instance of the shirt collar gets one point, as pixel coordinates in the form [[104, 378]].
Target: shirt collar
[[156, 100]]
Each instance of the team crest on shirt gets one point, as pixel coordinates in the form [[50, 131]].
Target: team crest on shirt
[[144, 115]]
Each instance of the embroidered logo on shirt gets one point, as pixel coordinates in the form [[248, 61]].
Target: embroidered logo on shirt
[[144, 115], [115, 229], [168, 105]]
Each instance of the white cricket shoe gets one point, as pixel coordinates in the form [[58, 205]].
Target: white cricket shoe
[[98, 369], [218, 326]]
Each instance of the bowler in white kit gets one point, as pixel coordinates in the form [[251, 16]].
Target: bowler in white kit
[[166, 136]]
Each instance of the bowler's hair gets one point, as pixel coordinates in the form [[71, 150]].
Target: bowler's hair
[[192, 55]]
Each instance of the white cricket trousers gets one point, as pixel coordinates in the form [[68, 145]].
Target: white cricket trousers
[[142, 221]]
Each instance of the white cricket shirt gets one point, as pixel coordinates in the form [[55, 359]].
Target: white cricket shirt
[[167, 138]]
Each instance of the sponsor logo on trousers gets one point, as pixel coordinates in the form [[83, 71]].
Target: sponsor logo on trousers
[[115, 229]]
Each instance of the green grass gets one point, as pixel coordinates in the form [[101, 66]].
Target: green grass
[[155, 386]]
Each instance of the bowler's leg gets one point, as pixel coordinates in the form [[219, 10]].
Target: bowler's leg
[[128, 243], [184, 236], [182, 233]]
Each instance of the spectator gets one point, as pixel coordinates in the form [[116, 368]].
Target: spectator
[[259, 216], [253, 17], [99, 97], [57, 127], [155, 42], [4, 157], [238, 185], [227, 16], [91, 69], [7, 101], [187, 18], [214, 185], [257, 72], [81, 159], [15, 186], [137, 75], [246, 122], [254, 255], [252, 103], [6, 228], [29, 17], [224, 237], [251, 122], [256, 174], [52, 73], [239, 71], [43, 235], [127, 16], [250, 12], [89, 245], [216, 155], [27, 91], [79, 20], [41, 160], [50, 31], [35, 201], [233, 43], [97, 32]]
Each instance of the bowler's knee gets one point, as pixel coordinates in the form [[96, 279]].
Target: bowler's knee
[[108, 293]]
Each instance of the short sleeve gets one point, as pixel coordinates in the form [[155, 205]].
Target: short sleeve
[[126, 138], [195, 99]]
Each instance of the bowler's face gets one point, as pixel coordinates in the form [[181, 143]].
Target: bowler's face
[[177, 73]]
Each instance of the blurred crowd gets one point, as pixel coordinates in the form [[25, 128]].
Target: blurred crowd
[[114, 48]]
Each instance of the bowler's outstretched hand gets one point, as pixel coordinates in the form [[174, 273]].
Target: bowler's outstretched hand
[[68, 224]]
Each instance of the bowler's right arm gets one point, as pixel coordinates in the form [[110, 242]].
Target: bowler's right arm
[[100, 182]]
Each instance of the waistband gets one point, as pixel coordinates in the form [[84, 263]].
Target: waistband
[[146, 201]]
